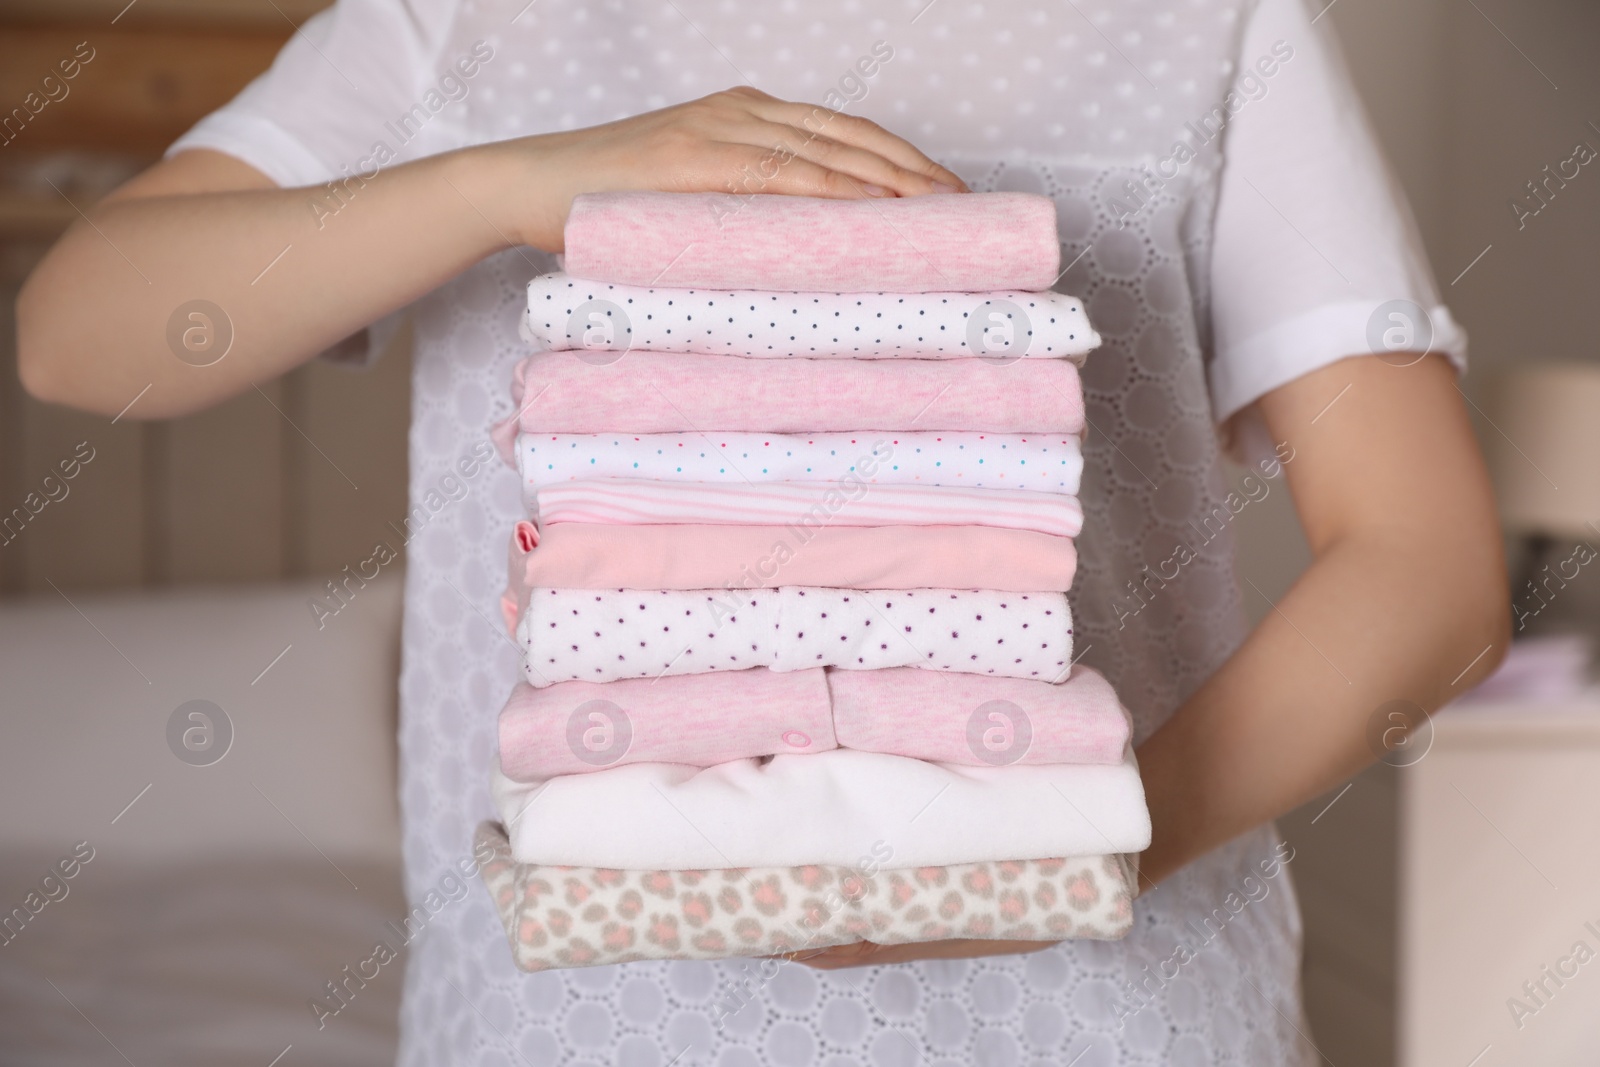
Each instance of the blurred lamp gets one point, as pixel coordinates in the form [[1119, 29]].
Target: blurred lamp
[[1546, 456], [1545, 459]]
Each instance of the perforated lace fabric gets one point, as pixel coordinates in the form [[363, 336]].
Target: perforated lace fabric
[[998, 92]]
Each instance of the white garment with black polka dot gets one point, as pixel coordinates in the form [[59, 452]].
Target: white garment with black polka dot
[[568, 313], [601, 636]]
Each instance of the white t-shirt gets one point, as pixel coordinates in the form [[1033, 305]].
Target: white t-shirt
[[1218, 259], [1313, 234]]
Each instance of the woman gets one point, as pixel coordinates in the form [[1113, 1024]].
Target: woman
[[1230, 224]]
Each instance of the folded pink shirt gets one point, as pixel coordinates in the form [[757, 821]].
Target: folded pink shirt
[[974, 242], [702, 719], [706, 719], [572, 555], [971, 719], [567, 392]]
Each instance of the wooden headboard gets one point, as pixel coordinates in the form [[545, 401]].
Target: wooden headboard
[[297, 479]]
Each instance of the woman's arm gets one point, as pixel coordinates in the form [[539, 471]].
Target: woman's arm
[[293, 280], [1406, 599]]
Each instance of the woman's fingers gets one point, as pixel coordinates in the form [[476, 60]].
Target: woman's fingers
[[858, 954], [864, 165], [868, 954], [857, 132], [799, 955], [739, 141], [845, 143], [750, 170]]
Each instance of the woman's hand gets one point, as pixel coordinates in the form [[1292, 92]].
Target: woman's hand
[[738, 141], [868, 954], [288, 273]]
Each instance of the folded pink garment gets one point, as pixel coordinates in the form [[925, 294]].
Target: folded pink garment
[[573, 555], [810, 505], [587, 916], [563, 392], [706, 719], [972, 242], [701, 719], [976, 720]]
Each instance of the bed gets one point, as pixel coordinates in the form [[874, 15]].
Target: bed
[[218, 884]]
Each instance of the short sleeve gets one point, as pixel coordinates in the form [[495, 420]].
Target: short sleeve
[[331, 95], [336, 91], [1315, 250]]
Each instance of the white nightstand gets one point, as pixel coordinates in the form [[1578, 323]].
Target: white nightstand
[[1499, 884]]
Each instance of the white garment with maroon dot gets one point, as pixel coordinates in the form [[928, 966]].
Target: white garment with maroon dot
[[604, 635], [569, 313]]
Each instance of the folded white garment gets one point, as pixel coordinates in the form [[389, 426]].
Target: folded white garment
[[1039, 462], [597, 635], [803, 505], [832, 807], [566, 313]]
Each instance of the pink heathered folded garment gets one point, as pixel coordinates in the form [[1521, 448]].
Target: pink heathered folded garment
[[973, 242], [702, 719], [705, 719], [563, 392], [809, 505], [977, 720], [572, 555]]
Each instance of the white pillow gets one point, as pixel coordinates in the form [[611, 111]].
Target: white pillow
[[89, 689]]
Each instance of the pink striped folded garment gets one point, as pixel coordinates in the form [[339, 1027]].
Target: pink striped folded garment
[[806, 505]]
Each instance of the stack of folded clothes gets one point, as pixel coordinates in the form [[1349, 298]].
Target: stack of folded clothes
[[791, 601]]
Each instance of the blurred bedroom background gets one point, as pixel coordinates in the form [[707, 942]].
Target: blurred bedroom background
[[175, 562]]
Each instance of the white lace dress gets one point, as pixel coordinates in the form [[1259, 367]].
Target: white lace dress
[[1210, 285]]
